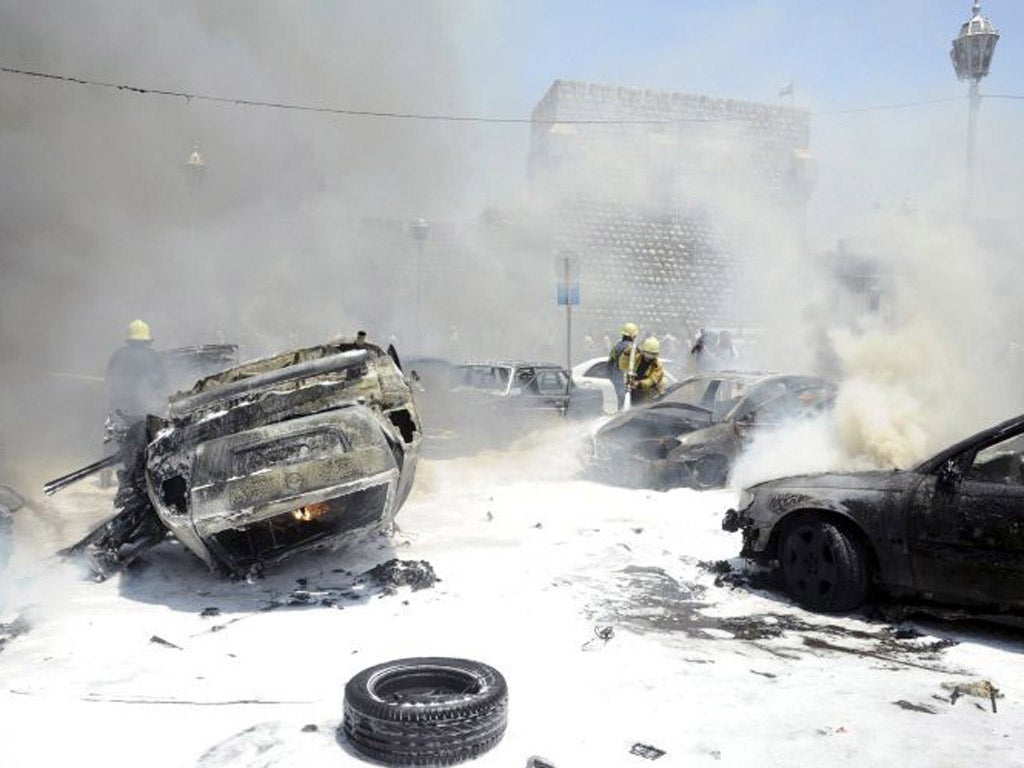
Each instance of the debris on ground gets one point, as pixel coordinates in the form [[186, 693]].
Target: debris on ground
[[982, 689], [604, 634], [166, 643], [904, 704], [646, 751], [418, 574]]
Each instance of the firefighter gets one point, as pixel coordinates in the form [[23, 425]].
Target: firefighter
[[618, 361], [648, 378], [136, 377]]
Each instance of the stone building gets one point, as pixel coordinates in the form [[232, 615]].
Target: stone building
[[662, 200], [670, 202]]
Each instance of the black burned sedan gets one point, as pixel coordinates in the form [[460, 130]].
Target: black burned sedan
[[690, 436], [950, 530]]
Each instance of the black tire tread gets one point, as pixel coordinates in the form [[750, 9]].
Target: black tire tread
[[851, 586], [444, 731]]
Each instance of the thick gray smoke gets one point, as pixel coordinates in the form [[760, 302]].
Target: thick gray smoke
[[100, 221], [938, 354], [280, 241]]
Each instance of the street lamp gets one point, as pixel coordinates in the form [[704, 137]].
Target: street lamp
[[195, 167], [972, 54], [195, 172], [419, 230]]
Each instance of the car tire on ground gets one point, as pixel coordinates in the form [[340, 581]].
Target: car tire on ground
[[425, 710], [824, 568]]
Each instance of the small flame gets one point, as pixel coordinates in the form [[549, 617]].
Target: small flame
[[310, 512]]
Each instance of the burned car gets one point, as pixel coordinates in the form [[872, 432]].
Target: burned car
[[186, 364], [299, 450], [690, 436], [950, 530], [523, 386]]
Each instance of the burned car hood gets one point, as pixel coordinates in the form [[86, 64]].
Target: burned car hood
[[658, 419], [873, 480]]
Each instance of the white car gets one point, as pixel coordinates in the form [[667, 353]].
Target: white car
[[592, 374]]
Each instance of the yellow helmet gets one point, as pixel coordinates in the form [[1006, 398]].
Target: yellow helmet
[[630, 329], [651, 346], [138, 331]]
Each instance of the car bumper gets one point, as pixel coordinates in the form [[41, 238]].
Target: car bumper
[[756, 537]]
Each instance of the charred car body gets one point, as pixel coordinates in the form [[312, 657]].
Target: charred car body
[[690, 436], [299, 450], [950, 530], [522, 387]]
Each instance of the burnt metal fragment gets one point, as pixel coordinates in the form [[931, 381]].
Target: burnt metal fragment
[[646, 751], [418, 574]]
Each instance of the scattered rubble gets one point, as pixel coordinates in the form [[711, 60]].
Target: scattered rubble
[[418, 574]]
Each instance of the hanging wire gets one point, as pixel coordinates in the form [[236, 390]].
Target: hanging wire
[[452, 118]]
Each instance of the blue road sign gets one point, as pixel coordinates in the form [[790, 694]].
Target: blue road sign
[[568, 294]]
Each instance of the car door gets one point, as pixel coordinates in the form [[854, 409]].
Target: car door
[[967, 527], [553, 387], [525, 392], [596, 377]]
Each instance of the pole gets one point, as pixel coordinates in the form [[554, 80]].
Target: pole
[[973, 105], [568, 318], [418, 332], [193, 262]]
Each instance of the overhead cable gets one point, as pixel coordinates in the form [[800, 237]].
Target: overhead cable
[[447, 117]]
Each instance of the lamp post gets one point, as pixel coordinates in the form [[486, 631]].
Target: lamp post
[[195, 171], [419, 230], [972, 54]]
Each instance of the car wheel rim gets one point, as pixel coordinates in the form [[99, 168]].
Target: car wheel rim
[[810, 562]]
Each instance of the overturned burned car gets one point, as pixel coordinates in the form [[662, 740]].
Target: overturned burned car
[[690, 436], [950, 530], [299, 450]]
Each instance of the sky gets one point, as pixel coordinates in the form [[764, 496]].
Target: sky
[[838, 55]]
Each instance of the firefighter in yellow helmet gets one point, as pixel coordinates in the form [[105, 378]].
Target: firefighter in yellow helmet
[[648, 379], [618, 361], [136, 376]]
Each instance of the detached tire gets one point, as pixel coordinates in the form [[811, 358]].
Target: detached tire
[[425, 711], [823, 567]]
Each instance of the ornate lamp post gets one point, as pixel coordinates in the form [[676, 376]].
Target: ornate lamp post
[[419, 230], [195, 172], [195, 167], [972, 54]]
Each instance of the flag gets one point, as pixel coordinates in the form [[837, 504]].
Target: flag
[[786, 90]]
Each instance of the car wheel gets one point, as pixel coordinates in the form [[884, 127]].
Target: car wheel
[[823, 567], [425, 711], [711, 471]]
